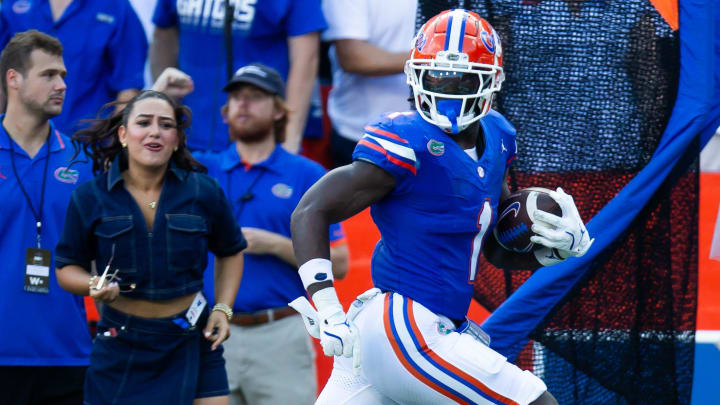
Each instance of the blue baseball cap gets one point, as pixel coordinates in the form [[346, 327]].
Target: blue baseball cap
[[258, 75]]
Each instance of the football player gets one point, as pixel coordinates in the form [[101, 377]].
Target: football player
[[433, 179]]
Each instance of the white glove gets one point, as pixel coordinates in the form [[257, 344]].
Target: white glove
[[567, 234], [337, 333], [309, 315], [338, 336]]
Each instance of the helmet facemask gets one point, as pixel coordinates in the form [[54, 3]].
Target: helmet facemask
[[451, 92]]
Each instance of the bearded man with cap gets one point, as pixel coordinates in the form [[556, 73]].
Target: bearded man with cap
[[269, 357]]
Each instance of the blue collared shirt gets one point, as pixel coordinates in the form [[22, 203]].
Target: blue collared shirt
[[260, 32], [104, 49], [38, 329], [276, 185], [192, 216]]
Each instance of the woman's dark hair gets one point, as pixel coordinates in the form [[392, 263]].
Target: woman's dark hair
[[100, 140]]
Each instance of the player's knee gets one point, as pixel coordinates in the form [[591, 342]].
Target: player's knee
[[545, 399]]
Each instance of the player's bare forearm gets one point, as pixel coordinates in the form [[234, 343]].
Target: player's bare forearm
[[337, 196], [228, 273], [163, 50], [304, 59]]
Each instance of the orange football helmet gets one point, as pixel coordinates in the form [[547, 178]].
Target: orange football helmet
[[455, 67]]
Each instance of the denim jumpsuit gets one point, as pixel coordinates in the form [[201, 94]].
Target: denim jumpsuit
[[141, 360]]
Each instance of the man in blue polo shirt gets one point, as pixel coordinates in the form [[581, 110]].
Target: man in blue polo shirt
[[104, 44], [44, 340], [283, 34], [269, 357]]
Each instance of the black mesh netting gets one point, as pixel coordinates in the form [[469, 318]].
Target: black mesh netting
[[590, 86]]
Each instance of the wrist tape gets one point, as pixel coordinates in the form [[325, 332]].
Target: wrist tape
[[315, 271], [325, 300]]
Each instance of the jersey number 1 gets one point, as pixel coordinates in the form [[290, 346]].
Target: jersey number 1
[[484, 219]]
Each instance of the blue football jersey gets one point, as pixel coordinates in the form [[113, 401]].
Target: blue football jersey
[[444, 204]]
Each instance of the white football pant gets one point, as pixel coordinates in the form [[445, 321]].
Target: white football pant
[[409, 355]]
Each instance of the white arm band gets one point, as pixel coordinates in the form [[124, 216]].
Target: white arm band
[[325, 300], [315, 271]]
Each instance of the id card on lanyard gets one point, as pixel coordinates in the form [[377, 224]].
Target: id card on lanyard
[[37, 260], [37, 270]]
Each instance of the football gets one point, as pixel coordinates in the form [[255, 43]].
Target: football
[[514, 226]]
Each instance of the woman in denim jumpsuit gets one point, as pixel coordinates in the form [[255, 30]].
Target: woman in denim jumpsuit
[[149, 219]]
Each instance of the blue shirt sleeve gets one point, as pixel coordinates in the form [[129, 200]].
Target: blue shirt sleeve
[[73, 248], [381, 145], [337, 232], [165, 14], [225, 237], [305, 16], [128, 66]]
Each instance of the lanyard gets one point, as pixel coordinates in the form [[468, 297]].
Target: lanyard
[[248, 195], [38, 213]]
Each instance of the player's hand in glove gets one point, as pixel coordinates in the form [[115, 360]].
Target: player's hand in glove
[[338, 336], [567, 234]]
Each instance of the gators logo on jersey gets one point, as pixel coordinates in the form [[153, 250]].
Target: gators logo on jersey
[[66, 175], [436, 148]]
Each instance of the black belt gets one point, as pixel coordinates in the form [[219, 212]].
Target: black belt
[[261, 317]]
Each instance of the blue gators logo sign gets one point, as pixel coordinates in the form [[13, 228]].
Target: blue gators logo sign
[[488, 40], [66, 175]]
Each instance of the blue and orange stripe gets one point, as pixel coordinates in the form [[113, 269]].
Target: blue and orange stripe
[[387, 134], [407, 362], [443, 365], [392, 159]]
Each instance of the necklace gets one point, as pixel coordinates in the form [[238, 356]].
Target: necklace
[[152, 204]]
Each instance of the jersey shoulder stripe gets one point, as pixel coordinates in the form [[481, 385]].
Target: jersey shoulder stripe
[[372, 144], [382, 132], [399, 150]]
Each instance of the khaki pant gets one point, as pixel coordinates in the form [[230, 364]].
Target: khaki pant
[[271, 364]]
